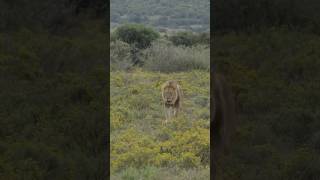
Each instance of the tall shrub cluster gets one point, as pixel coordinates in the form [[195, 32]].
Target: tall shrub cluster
[[182, 51]]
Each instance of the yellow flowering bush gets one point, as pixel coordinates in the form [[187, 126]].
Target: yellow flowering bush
[[138, 137]]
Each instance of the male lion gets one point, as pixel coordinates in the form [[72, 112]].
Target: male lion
[[172, 98]]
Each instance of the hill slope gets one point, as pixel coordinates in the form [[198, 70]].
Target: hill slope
[[173, 14], [136, 125]]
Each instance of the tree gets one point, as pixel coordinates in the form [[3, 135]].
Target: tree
[[137, 35], [183, 38]]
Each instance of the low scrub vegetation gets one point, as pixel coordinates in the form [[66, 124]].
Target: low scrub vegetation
[[139, 139]]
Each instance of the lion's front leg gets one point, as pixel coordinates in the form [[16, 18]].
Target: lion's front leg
[[175, 112], [169, 110], [176, 109], [167, 113]]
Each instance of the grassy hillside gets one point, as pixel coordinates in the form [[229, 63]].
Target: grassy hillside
[[141, 147], [174, 14]]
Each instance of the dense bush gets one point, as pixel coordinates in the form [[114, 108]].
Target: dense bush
[[168, 58], [183, 38], [136, 35], [180, 52], [120, 56], [187, 38]]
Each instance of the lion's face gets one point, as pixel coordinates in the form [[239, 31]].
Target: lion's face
[[170, 95]]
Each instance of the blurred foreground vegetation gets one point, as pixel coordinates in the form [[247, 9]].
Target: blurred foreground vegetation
[[276, 80], [52, 84], [270, 52]]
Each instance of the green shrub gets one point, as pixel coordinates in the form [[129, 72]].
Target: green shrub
[[137, 35], [120, 56], [164, 58], [184, 38], [132, 149], [187, 38]]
